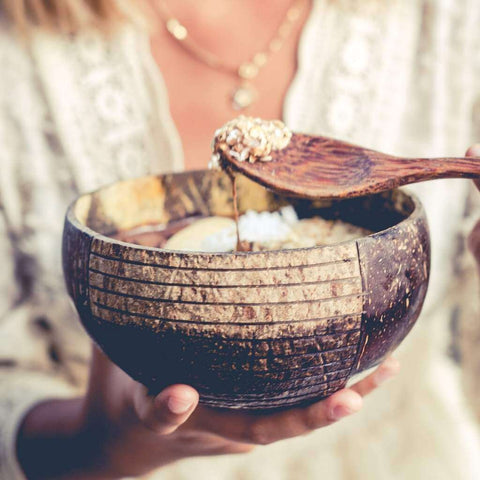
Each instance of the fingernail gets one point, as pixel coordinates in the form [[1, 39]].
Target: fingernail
[[382, 376], [387, 371], [475, 150], [179, 405], [341, 411]]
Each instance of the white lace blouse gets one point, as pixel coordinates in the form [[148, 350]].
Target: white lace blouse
[[77, 112]]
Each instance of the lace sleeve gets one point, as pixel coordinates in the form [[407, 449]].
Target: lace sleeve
[[26, 374], [22, 384]]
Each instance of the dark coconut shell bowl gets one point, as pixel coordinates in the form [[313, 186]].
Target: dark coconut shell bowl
[[257, 331]]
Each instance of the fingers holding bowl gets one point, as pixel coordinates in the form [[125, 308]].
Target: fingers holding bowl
[[474, 241], [264, 429], [167, 411], [388, 369]]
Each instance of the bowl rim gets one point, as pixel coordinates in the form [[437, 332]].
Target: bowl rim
[[417, 212]]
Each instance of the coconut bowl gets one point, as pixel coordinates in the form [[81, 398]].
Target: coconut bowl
[[261, 330]]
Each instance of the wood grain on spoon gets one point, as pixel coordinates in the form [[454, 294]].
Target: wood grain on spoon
[[319, 167]]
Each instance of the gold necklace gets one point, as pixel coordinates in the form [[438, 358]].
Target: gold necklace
[[244, 93]]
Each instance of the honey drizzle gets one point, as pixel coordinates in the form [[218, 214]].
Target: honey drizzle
[[241, 246]]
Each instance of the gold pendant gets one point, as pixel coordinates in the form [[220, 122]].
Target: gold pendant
[[243, 96]]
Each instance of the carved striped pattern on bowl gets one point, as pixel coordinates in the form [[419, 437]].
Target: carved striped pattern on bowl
[[294, 316]]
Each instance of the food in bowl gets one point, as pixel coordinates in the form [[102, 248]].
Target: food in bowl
[[259, 231]]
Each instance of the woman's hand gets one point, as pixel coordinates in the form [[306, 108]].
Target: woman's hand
[[118, 430], [474, 237]]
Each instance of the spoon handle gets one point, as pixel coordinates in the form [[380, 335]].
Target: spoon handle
[[420, 169], [467, 166]]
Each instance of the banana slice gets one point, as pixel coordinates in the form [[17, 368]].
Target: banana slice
[[192, 238]]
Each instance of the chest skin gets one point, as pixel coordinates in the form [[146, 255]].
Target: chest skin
[[200, 97]]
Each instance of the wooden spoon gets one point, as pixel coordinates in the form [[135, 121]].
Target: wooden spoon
[[320, 167]]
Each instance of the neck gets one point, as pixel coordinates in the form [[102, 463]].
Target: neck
[[230, 29], [209, 12]]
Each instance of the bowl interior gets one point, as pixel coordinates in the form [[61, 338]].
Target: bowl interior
[[159, 201]]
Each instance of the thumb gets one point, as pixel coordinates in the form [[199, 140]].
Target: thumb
[[164, 413], [474, 151]]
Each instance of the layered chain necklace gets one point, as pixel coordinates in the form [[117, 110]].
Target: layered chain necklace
[[244, 93]]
